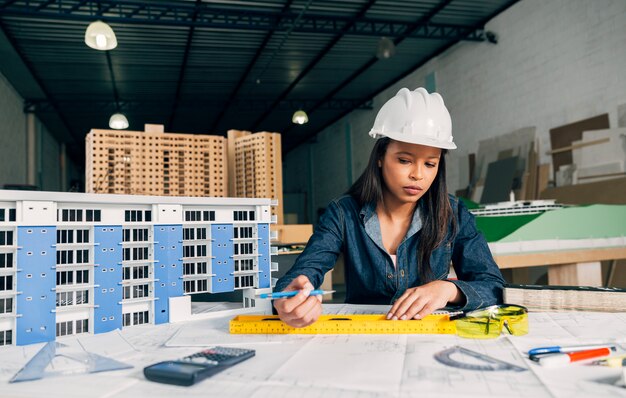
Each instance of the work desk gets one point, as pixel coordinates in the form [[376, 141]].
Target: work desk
[[566, 267], [329, 365]]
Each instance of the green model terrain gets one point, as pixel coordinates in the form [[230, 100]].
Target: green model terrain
[[581, 222]]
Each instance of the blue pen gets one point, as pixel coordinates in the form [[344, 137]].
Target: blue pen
[[293, 293], [571, 348]]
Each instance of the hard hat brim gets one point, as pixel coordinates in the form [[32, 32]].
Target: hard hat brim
[[419, 140]]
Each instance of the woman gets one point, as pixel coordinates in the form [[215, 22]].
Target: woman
[[397, 227]]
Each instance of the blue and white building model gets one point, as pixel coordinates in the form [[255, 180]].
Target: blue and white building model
[[89, 263]]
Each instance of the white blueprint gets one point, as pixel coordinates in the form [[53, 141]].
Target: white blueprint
[[323, 366]]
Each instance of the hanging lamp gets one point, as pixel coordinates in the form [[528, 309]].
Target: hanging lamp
[[118, 121], [300, 117], [100, 36]]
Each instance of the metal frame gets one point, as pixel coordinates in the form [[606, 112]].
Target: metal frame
[[207, 16]]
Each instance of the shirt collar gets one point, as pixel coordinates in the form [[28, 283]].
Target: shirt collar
[[372, 225]]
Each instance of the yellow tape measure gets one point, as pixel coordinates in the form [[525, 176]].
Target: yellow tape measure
[[344, 324]]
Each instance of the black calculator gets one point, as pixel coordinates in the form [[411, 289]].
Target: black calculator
[[193, 368]]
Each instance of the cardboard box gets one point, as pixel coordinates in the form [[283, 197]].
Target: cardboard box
[[289, 234]]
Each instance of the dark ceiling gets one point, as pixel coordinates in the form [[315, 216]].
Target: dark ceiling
[[210, 66]]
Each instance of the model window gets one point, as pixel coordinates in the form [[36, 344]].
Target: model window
[[82, 236], [92, 215], [6, 260], [6, 238], [6, 305], [134, 215], [3, 215], [65, 236], [6, 337], [6, 282], [71, 215]]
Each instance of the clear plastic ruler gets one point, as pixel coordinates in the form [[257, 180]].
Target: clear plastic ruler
[[39, 366]]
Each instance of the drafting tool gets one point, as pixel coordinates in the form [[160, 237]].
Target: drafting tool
[[293, 293], [344, 324], [89, 363], [487, 363]]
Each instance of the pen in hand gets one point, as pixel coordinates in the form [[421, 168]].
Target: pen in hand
[[293, 293]]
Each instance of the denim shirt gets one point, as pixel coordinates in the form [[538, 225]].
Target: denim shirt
[[370, 275]]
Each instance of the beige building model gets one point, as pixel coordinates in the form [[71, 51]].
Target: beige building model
[[155, 163], [255, 166], [170, 164]]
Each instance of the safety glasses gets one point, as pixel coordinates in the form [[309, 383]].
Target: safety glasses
[[487, 323]]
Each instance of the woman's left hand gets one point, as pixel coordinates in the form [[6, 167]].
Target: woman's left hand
[[417, 302]]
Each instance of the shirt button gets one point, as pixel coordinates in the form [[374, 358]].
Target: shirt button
[[402, 273], [389, 276]]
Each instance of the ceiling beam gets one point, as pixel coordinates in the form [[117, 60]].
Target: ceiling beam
[[423, 20], [312, 64], [183, 69], [116, 95], [211, 16], [390, 83], [247, 71], [88, 105]]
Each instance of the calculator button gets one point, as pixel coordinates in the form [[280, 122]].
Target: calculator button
[[202, 361]]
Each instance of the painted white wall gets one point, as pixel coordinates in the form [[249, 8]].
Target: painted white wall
[[13, 145], [556, 62]]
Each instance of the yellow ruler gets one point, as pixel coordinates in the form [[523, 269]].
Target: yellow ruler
[[344, 324]]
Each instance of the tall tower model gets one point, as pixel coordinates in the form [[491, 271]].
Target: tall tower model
[[155, 163], [255, 162]]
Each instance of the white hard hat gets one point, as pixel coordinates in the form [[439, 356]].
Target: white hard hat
[[415, 117]]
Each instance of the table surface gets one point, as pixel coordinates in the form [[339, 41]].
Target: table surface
[[325, 365]]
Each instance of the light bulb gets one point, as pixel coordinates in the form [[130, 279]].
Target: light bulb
[[300, 117], [100, 36], [118, 122], [386, 48], [101, 41]]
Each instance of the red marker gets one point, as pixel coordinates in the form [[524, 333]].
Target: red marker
[[569, 357]]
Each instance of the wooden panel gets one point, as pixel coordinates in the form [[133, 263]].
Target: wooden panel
[[605, 192], [580, 274], [559, 257], [531, 182], [543, 177], [563, 136]]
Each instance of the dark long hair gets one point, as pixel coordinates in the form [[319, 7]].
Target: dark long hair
[[434, 205]]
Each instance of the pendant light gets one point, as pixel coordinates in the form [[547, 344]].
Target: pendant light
[[300, 117], [386, 48], [100, 36], [118, 121]]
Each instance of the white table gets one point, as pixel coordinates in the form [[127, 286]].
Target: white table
[[330, 365]]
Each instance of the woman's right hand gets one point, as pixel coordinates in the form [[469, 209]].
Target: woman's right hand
[[300, 310]]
